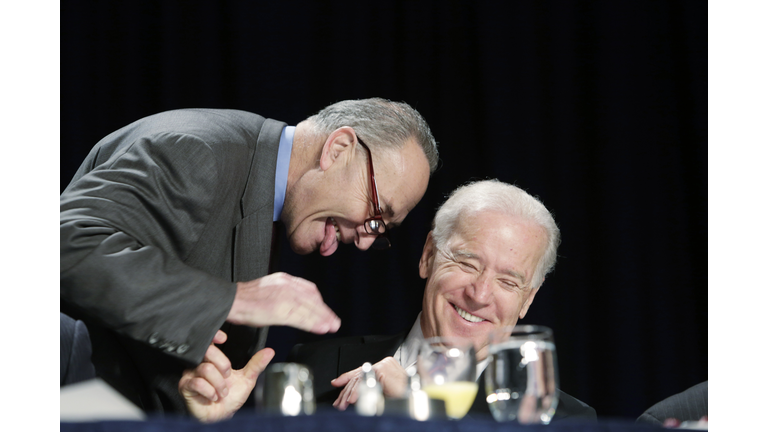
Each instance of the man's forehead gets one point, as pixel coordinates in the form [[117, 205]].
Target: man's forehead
[[494, 223], [482, 236], [401, 190]]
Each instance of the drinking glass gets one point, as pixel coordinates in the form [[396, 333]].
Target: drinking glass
[[447, 367], [522, 380], [286, 389]]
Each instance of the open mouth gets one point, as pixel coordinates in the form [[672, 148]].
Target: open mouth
[[467, 316], [336, 227], [331, 238]]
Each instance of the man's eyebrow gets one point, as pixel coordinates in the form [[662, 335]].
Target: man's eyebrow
[[514, 274], [471, 255], [465, 254], [386, 210]]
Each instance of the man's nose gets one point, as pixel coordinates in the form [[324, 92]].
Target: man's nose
[[363, 241], [481, 289]]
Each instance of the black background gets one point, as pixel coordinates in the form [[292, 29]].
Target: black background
[[597, 107]]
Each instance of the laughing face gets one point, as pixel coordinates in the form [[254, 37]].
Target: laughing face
[[481, 279], [331, 202]]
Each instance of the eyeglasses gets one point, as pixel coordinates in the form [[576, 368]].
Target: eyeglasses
[[375, 225]]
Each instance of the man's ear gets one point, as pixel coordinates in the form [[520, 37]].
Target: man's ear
[[528, 301], [427, 257], [339, 143]]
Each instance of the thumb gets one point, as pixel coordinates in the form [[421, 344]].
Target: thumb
[[258, 363], [220, 337]]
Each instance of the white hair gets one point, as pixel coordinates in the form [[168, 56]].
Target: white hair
[[381, 123], [494, 195]]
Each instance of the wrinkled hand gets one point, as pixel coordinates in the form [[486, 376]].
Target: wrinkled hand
[[389, 373], [212, 390], [282, 299]]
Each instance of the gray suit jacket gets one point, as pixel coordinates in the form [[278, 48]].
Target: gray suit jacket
[[157, 225], [689, 405]]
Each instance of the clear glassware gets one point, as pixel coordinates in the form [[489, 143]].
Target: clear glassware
[[286, 389], [447, 368], [370, 400], [522, 379]]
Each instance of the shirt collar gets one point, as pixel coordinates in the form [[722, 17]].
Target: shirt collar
[[281, 169], [408, 352]]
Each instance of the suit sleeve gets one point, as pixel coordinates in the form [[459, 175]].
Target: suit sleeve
[[126, 227]]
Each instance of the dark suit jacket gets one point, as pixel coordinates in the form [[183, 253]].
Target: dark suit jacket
[[157, 225], [75, 352], [330, 358], [690, 405]]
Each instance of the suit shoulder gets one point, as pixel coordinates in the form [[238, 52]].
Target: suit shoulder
[[207, 124], [688, 405]]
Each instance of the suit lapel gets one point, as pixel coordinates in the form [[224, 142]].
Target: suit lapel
[[253, 235]]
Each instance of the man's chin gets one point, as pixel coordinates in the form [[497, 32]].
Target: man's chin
[[301, 249], [482, 353]]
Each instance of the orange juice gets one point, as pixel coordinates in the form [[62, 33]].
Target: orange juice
[[458, 396]]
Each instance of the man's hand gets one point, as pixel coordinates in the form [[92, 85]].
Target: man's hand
[[212, 390], [282, 299], [389, 373]]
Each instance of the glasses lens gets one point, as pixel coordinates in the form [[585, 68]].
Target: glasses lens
[[381, 243], [375, 226]]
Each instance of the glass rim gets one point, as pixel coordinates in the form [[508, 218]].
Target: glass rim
[[521, 332], [461, 339], [526, 328]]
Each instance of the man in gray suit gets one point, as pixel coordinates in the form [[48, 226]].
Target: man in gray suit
[[167, 227]]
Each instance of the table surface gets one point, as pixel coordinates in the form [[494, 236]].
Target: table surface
[[348, 421]]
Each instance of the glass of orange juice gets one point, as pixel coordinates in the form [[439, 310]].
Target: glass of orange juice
[[447, 367]]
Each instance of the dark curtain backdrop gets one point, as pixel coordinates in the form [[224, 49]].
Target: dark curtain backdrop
[[597, 107]]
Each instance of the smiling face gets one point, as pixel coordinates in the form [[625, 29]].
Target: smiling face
[[330, 203], [481, 279]]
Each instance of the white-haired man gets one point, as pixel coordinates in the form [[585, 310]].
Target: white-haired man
[[485, 259]]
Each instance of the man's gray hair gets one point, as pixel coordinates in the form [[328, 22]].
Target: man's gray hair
[[381, 123], [497, 196]]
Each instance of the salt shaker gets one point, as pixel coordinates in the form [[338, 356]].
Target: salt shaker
[[418, 401], [370, 400]]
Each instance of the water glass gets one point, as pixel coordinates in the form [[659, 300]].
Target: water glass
[[522, 379], [286, 389]]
